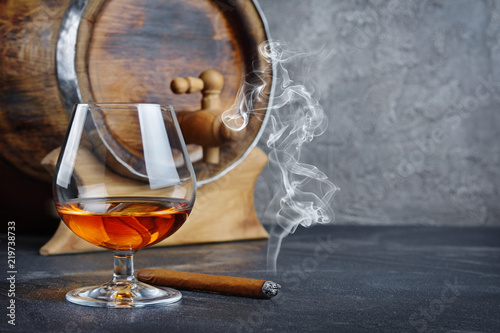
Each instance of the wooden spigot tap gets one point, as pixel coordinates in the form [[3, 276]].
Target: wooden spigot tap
[[205, 127]]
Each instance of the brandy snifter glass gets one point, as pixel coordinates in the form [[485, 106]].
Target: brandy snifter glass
[[124, 181]]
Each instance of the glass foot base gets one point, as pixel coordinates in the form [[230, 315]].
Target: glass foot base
[[123, 295]]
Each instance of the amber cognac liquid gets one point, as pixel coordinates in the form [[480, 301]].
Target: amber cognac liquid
[[124, 223]]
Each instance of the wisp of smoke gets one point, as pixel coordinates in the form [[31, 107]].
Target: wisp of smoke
[[303, 193]]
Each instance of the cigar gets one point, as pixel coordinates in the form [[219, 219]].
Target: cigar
[[225, 285]]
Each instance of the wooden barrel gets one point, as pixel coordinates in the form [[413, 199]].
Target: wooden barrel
[[57, 53]]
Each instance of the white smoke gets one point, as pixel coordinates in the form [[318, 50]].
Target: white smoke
[[303, 193]]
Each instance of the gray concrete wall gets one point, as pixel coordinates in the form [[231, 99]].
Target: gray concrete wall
[[412, 95]]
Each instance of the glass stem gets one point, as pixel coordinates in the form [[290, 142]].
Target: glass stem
[[123, 267]]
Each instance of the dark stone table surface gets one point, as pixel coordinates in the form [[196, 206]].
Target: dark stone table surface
[[334, 279]]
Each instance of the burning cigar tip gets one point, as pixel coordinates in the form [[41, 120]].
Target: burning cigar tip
[[270, 289]]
